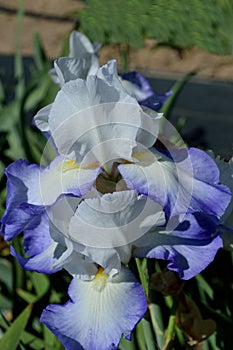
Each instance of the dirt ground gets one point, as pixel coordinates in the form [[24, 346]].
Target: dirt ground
[[43, 17]]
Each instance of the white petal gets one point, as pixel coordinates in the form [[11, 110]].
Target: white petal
[[63, 176], [134, 90], [99, 312], [72, 68], [113, 220], [79, 44], [41, 118]]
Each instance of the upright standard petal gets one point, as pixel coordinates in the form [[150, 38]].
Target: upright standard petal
[[99, 312], [80, 46], [68, 68], [82, 60]]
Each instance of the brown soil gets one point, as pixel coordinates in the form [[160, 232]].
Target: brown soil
[[155, 61]]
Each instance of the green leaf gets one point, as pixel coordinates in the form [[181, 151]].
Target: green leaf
[[30, 340], [157, 322], [19, 76], [149, 339], [127, 344], [9, 115], [11, 338], [40, 283], [5, 302], [140, 336], [50, 339], [142, 274], [3, 322], [5, 273], [177, 88], [39, 52], [204, 287], [27, 296]]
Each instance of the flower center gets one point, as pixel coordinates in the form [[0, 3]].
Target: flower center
[[110, 182]]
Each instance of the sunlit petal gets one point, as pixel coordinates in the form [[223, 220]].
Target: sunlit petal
[[188, 182], [99, 312]]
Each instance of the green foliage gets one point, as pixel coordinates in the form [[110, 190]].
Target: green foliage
[[13, 334], [177, 23], [121, 21]]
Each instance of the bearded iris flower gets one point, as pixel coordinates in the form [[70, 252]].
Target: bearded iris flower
[[109, 195], [83, 61]]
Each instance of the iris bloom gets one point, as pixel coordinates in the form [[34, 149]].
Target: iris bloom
[[109, 195], [83, 61]]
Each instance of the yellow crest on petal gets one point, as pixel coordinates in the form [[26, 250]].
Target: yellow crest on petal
[[100, 279]]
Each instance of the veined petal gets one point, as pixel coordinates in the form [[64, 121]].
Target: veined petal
[[69, 68], [99, 312], [187, 183]]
